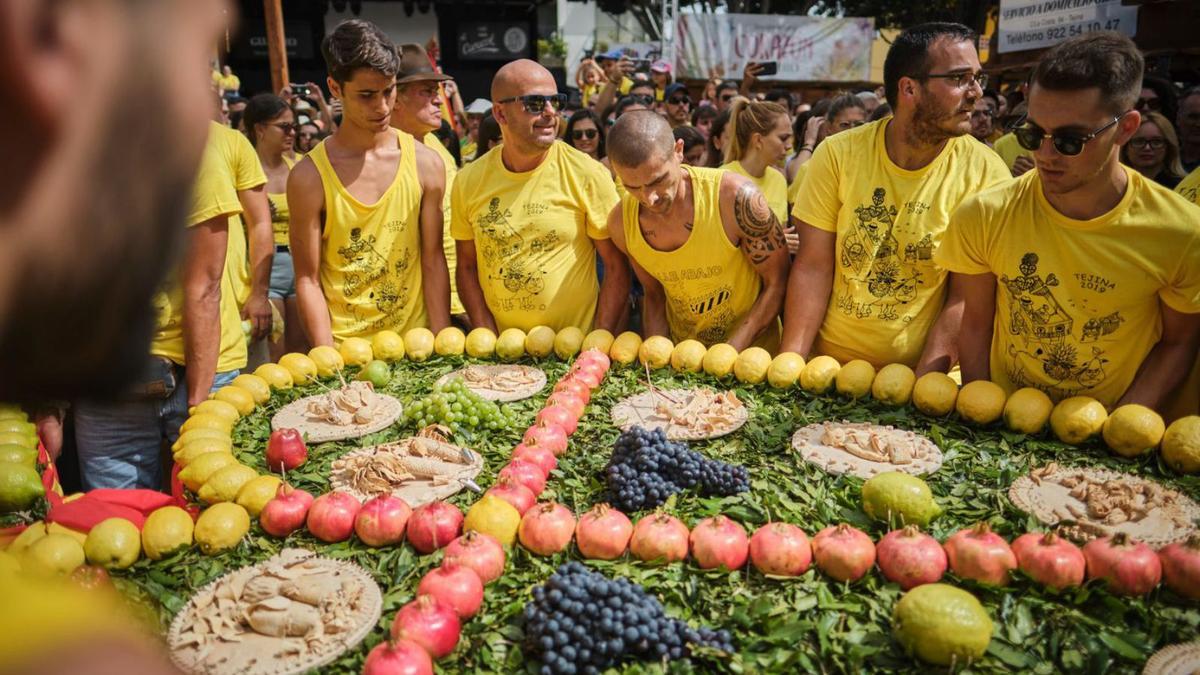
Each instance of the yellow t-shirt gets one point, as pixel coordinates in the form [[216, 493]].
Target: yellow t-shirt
[[794, 188], [887, 291], [245, 172], [432, 142], [709, 283], [1189, 187], [280, 214], [1009, 150], [371, 253], [1077, 302], [230, 82], [533, 235], [467, 148], [773, 185]]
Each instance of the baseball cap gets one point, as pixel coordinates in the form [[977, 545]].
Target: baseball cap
[[611, 55], [674, 87], [416, 67], [480, 106], [660, 66]]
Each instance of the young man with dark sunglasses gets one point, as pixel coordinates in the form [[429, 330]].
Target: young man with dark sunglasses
[[530, 216], [677, 105], [1081, 277]]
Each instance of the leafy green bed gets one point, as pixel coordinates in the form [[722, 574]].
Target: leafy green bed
[[808, 624]]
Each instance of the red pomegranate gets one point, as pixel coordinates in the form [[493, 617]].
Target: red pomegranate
[[982, 555], [843, 552], [382, 520], [1127, 566], [1181, 567], [481, 552], [551, 437], [572, 403], [433, 525], [526, 473], [558, 415], [398, 657], [719, 542], [1049, 559], [594, 355], [781, 549], [659, 537], [454, 585], [910, 557], [331, 516], [570, 385], [428, 623], [285, 513], [590, 372], [603, 533], [513, 492], [547, 528], [538, 455]]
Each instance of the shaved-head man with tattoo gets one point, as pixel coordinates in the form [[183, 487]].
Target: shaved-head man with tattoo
[[704, 243]]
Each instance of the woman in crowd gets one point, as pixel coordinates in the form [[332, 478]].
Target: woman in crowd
[[715, 153], [307, 137], [702, 119], [695, 149], [660, 75], [842, 113], [757, 141], [585, 133], [806, 124], [1154, 151], [489, 135]]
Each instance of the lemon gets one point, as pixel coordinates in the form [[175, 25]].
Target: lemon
[[598, 339], [568, 342], [300, 366], [187, 437], [53, 554], [240, 398], [255, 494], [688, 356], [1027, 411], [1181, 445], [257, 386], [494, 516], [899, 499], [19, 438], [221, 527], [201, 446], [418, 343], [935, 393], [388, 346], [785, 370], [20, 486], [33, 532], [625, 348], [751, 365], [356, 351], [203, 467], [819, 374], [450, 341], [207, 421], [980, 402], [855, 378], [55, 528], [942, 625], [327, 359], [481, 343], [1133, 430], [113, 543], [10, 565], [1076, 419], [510, 346], [216, 408], [719, 359], [539, 342], [275, 375], [165, 530], [18, 454], [224, 483], [894, 384], [655, 351]]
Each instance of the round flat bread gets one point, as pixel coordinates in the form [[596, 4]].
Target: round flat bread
[[1180, 659], [295, 415], [685, 414], [503, 383], [1100, 503], [864, 450], [387, 461], [293, 592]]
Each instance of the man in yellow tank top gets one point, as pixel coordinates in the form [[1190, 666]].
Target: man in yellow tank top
[[704, 242], [530, 216], [376, 261]]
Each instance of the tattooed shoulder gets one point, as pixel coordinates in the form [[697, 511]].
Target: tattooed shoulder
[[761, 232]]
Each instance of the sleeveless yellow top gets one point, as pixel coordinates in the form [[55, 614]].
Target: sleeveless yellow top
[[773, 185], [709, 283], [431, 141], [279, 210], [371, 253]]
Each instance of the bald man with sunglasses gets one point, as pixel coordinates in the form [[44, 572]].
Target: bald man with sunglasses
[[529, 217]]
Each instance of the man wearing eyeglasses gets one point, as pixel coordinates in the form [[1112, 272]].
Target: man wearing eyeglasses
[[678, 106], [1080, 278], [1187, 120], [873, 205], [530, 216]]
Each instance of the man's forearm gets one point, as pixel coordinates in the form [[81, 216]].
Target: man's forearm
[[654, 314], [435, 282], [201, 337], [1166, 366], [471, 295], [614, 295], [941, 344], [763, 313], [808, 288], [314, 311]]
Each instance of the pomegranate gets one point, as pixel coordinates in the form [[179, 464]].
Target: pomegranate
[[596, 356], [331, 516], [719, 542], [982, 555], [285, 513], [285, 450], [551, 437], [780, 549], [547, 528], [910, 557], [481, 552], [428, 623], [659, 537], [590, 372], [570, 385], [1049, 559], [454, 585], [538, 455], [843, 552], [603, 533], [434, 525], [1181, 567], [398, 657], [381, 521], [508, 489], [557, 414], [526, 473], [572, 403], [1127, 566]]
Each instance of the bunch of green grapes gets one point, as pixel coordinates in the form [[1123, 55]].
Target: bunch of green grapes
[[459, 408]]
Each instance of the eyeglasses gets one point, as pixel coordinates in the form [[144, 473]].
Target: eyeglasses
[[644, 99], [1148, 104], [1152, 143], [534, 104], [960, 80], [679, 100], [287, 128], [1030, 137], [580, 134]]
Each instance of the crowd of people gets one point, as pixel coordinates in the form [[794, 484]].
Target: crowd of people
[[1029, 237]]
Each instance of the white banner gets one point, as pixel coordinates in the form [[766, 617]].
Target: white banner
[[807, 48], [1034, 24]]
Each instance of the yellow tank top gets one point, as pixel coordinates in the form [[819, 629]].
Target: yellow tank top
[[279, 210], [371, 253], [773, 185], [709, 283], [432, 142]]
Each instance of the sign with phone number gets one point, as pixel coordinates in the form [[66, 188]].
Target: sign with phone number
[[1034, 24]]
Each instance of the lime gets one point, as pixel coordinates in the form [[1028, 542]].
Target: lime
[[20, 487], [376, 372], [899, 499], [942, 625], [18, 454], [19, 438]]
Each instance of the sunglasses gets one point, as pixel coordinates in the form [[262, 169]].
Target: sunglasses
[[1068, 144], [287, 128], [1143, 143], [1148, 104], [644, 99], [679, 100], [534, 104], [727, 99], [580, 134]]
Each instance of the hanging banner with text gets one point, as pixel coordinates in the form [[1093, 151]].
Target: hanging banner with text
[[1034, 24], [807, 48]]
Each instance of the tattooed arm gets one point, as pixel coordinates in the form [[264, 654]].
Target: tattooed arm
[[758, 234]]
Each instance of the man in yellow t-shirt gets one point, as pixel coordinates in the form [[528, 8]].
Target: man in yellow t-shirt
[[1189, 187], [877, 200], [1080, 278], [704, 242], [530, 216]]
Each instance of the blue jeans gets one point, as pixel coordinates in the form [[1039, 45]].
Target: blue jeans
[[120, 442]]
